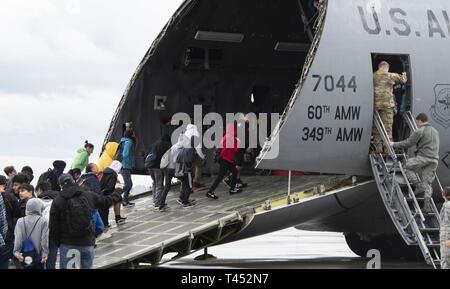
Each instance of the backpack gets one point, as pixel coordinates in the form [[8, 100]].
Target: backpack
[[29, 252], [186, 156], [119, 153], [150, 159], [46, 177], [79, 217], [165, 160], [184, 160]]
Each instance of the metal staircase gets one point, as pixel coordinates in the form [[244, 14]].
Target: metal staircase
[[416, 227]]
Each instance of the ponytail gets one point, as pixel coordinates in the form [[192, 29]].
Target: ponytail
[[88, 145]]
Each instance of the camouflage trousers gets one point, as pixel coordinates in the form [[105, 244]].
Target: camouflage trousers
[[426, 168], [387, 117], [445, 257]]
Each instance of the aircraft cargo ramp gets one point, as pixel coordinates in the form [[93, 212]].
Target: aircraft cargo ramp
[[154, 238]]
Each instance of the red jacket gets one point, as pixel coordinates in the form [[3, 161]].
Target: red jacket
[[230, 144]]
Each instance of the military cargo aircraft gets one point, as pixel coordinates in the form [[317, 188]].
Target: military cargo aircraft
[[312, 62]]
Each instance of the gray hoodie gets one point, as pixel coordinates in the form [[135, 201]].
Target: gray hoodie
[[191, 130], [39, 236]]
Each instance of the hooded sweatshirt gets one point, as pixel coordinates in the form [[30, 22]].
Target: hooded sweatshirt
[[59, 232], [24, 228], [108, 155], [90, 181], [108, 182], [127, 153], [160, 147], [191, 130], [47, 198], [175, 150], [230, 144], [81, 160]]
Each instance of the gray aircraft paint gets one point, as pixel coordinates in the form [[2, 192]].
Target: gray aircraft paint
[[353, 30], [351, 33]]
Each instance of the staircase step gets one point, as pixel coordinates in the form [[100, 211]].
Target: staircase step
[[430, 215], [433, 245], [429, 230], [408, 199]]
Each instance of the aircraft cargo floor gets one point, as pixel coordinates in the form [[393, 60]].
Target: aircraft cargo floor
[[153, 237]]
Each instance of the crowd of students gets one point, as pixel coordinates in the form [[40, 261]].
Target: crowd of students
[[68, 212], [185, 160], [65, 212]]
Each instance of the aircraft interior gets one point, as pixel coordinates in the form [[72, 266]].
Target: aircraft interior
[[228, 56]]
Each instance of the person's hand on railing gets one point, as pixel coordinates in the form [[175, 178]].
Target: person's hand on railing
[[391, 143]]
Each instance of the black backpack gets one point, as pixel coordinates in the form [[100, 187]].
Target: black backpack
[[46, 177], [184, 161], [151, 158], [79, 216]]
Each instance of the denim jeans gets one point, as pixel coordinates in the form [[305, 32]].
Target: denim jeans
[[6, 253], [52, 255], [157, 186], [168, 176], [76, 257], [126, 174]]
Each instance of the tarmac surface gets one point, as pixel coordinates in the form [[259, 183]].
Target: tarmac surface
[[287, 249]]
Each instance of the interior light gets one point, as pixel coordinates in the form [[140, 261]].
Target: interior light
[[219, 36], [292, 47]]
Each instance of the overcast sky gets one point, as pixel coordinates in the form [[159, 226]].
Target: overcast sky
[[64, 64]]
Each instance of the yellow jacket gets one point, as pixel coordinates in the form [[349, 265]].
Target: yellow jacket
[[107, 156]]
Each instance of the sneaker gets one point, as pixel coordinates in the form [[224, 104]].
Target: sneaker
[[238, 186], [179, 201], [235, 191], [120, 221], [104, 236], [242, 185], [128, 205], [227, 182], [212, 196], [163, 209], [187, 205]]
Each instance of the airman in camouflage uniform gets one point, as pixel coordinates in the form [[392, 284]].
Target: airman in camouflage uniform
[[445, 230], [384, 83], [426, 140]]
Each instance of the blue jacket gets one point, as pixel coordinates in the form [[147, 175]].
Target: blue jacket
[[98, 222], [91, 182], [127, 153]]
